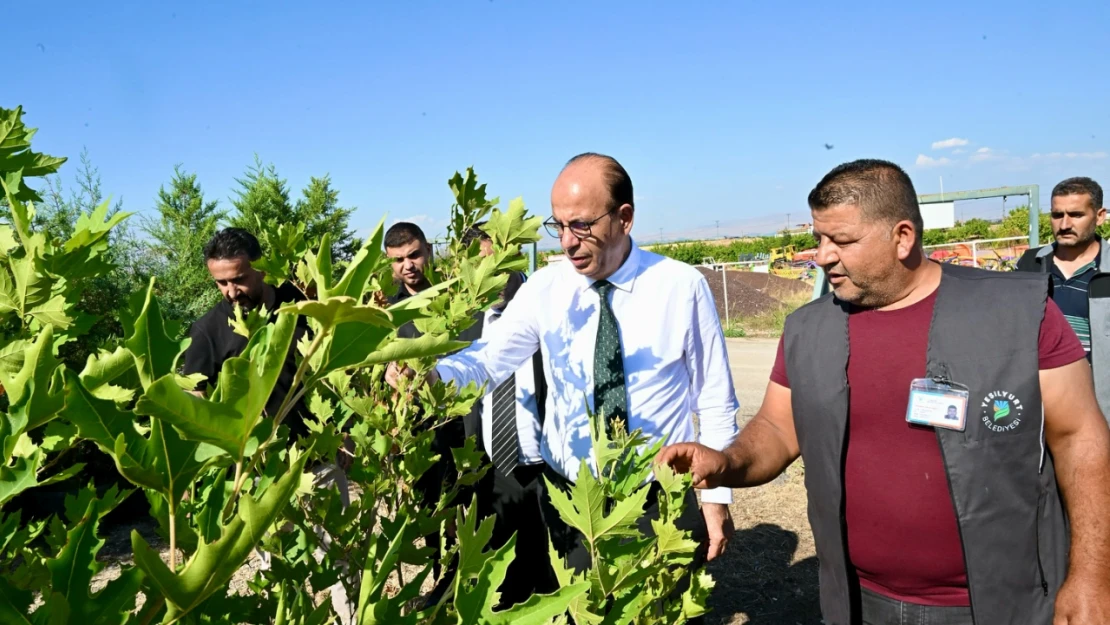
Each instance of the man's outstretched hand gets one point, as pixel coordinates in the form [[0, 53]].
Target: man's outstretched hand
[[708, 466], [394, 373]]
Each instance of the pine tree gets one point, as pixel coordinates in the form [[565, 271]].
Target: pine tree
[[262, 197], [185, 224], [319, 209]]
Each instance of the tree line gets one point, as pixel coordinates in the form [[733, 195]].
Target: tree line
[[167, 242]]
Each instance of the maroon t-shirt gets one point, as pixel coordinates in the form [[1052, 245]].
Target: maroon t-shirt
[[903, 537]]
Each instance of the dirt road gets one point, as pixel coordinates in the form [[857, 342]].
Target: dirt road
[[768, 575]]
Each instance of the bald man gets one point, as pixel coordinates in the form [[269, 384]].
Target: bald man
[[627, 333]]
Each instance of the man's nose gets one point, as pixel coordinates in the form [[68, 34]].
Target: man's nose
[[826, 255], [567, 239]]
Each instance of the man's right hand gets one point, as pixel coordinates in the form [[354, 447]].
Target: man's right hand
[[707, 465], [393, 374]]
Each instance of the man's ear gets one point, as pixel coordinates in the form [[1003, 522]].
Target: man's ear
[[905, 233]]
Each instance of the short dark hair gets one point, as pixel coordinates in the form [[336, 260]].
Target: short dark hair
[[1080, 185], [620, 183], [475, 233], [403, 233], [881, 189], [232, 243]]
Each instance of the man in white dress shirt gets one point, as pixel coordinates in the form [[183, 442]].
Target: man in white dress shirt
[[651, 352]]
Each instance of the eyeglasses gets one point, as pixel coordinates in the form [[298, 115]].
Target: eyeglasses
[[580, 229]]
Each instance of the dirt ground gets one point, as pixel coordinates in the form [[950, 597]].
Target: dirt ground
[[751, 294], [768, 574]]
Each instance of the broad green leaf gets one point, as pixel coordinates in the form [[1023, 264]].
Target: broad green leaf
[[481, 572], [161, 460], [7, 240], [227, 420], [12, 182], [12, 355], [14, 605], [584, 509], [254, 321], [696, 598], [32, 391], [154, 350], [32, 286], [52, 312], [213, 565], [59, 435], [512, 228], [354, 281], [93, 228], [104, 368], [339, 309], [381, 561], [23, 474], [425, 346], [350, 345], [672, 542], [73, 570], [579, 607], [8, 302]]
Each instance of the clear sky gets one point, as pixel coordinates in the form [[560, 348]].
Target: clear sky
[[719, 110]]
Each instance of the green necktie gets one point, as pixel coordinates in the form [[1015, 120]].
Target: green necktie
[[609, 392]]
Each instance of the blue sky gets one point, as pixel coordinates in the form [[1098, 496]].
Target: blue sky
[[719, 110]]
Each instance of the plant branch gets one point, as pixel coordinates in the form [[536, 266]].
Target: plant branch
[[286, 405]]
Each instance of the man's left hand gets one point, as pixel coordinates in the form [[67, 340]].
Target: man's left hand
[[718, 521], [1084, 599]]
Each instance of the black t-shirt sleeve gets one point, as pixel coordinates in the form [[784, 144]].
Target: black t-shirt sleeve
[[200, 356]]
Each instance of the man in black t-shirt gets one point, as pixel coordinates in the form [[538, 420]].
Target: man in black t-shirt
[[229, 256]]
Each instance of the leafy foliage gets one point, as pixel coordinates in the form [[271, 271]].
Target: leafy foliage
[[218, 472]]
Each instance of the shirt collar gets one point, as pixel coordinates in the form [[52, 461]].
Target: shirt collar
[[624, 277]]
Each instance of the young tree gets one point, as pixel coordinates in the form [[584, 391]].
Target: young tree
[[262, 201], [262, 197], [319, 210], [185, 223]]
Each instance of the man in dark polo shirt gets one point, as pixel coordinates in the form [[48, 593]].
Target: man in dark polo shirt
[[917, 518], [1075, 257]]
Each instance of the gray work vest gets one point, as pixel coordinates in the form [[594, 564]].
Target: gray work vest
[[1013, 529], [1099, 317]]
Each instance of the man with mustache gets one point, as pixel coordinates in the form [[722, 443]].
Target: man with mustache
[[917, 518], [1076, 259]]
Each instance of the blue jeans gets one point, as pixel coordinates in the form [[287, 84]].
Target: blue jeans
[[880, 610]]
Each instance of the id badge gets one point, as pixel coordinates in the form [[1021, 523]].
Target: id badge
[[938, 403]]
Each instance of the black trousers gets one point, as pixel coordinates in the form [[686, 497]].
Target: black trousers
[[515, 500], [569, 543]]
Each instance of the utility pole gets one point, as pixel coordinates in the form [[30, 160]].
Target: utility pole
[[718, 228]]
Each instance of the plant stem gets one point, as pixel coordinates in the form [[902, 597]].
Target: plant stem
[[286, 406], [173, 536]]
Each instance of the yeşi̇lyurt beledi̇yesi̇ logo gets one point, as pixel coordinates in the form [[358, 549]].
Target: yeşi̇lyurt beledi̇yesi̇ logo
[[1001, 411]]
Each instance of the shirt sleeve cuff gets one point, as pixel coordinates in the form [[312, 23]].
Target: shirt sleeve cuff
[[717, 495]]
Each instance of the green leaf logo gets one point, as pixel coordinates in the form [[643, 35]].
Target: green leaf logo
[[1001, 409]]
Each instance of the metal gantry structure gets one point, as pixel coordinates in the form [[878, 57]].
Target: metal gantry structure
[[1032, 192]]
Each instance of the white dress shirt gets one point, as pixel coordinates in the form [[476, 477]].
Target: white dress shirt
[[527, 418], [675, 359]]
